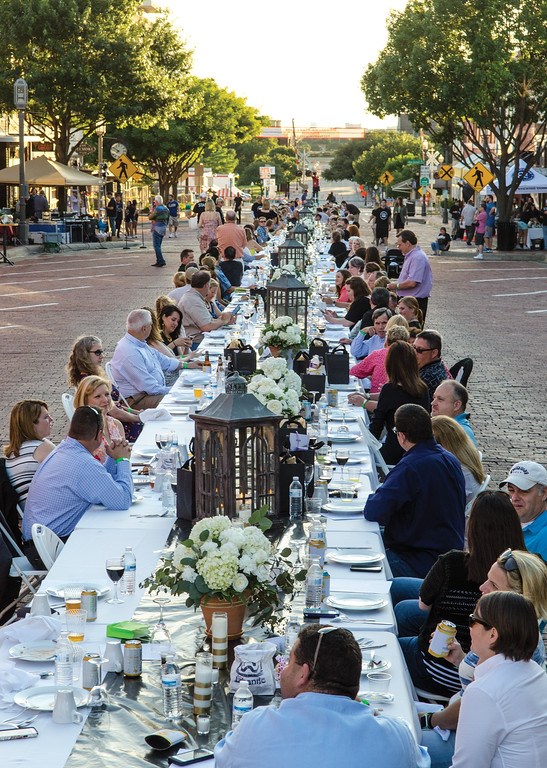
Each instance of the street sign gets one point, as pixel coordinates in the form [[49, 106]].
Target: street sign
[[478, 177], [266, 171], [413, 162], [446, 172], [386, 178], [433, 157], [137, 176], [123, 168], [424, 181]]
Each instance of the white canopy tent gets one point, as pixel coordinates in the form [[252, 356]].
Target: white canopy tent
[[532, 183]]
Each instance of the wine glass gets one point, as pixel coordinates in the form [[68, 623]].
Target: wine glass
[[114, 570], [159, 633], [309, 471], [343, 426], [164, 440], [342, 458]]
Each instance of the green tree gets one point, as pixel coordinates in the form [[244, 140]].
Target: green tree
[[281, 157], [208, 118], [341, 165], [476, 80], [86, 61], [390, 151]]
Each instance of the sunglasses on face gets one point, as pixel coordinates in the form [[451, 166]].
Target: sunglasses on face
[[474, 619], [97, 352]]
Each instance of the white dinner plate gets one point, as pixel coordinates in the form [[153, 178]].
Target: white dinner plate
[[354, 556], [344, 387], [176, 411], [59, 590], [337, 509], [38, 650], [378, 665], [188, 399], [341, 437], [336, 415], [353, 601], [144, 452], [141, 480], [136, 498], [42, 697]]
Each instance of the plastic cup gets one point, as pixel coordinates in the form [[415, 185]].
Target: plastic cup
[[75, 624], [378, 682]]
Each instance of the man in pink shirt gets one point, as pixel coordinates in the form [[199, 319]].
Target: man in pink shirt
[[231, 234]]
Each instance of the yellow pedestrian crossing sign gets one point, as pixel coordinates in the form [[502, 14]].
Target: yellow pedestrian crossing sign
[[446, 172], [123, 168], [386, 178], [478, 177]]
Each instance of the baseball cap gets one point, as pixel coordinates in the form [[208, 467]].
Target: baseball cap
[[525, 474], [203, 196]]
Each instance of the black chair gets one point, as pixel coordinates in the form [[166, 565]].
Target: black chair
[[461, 371]]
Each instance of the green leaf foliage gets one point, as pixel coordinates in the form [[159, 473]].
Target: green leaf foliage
[[390, 151]]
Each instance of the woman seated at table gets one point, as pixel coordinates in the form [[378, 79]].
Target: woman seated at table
[[373, 368], [86, 359], [95, 391], [253, 246], [372, 271], [217, 307], [503, 718], [453, 437], [513, 571], [408, 307], [368, 340], [372, 255], [29, 428], [404, 385], [338, 250], [358, 293], [341, 298]]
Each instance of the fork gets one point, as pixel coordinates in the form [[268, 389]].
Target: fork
[[18, 724]]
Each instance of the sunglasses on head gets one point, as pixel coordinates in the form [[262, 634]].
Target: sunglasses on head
[[320, 633], [507, 561]]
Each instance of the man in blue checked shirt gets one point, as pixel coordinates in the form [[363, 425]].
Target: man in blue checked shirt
[[70, 479]]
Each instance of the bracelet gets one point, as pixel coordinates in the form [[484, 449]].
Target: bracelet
[[121, 459], [129, 410], [397, 286], [184, 366]]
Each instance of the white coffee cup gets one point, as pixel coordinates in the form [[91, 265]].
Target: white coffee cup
[[40, 605], [64, 710], [113, 656]]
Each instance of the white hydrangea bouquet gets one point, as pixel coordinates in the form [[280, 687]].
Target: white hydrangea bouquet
[[225, 561], [278, 388], [287, 269], [282, 333]]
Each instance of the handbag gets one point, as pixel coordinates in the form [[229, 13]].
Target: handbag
[[319, 347], [244, 360], [314, 382], [337, 365], [301, 362], [186, 491], [193, 222]]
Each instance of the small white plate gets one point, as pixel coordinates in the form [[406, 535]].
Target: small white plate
[[341, 437], [59, 591], [333, 509], [136, 498], [378, 665], [357, 602], [354, 556], [177, 411], [188, 399], [336, 415], [38, 650], [144, 452], [42, 697], [372, 696], [141, 480]]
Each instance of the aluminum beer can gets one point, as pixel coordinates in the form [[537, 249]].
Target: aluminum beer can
[[332, 398], [89, 603], [91, 675], [132, 658], [444, 632]]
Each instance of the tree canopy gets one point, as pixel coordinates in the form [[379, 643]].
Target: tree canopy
[[341, 165], [474, 78], [88, 61]]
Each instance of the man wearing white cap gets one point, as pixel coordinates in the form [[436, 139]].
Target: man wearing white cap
[[527, 488]]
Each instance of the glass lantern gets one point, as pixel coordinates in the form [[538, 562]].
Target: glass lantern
[[301, 233], [293, 253], [288, 296]]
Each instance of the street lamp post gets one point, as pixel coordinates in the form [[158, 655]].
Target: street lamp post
[[20, 100], [100, 131]]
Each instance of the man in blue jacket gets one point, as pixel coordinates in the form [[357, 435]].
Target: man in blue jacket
[[421, 503]]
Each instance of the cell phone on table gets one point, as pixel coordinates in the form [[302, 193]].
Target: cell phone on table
[[192, 756], [18, 733], [236, 309]]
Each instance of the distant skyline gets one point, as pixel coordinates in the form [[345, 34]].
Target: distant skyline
[[300, 61]]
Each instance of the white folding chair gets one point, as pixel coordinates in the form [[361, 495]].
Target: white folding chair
[[108, 370], [374, 446], [21, 567], [48, 544], [67, 400]]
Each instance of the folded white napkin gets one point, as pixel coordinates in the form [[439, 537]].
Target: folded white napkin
[[154, 414], [31, 629], [13, 680], [194, 377]]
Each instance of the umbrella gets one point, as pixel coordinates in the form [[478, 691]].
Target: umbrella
[[48, 173]]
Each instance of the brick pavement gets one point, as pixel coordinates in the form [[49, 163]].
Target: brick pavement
[[506, 387]]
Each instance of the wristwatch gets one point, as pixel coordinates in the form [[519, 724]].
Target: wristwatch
[[425, 721]]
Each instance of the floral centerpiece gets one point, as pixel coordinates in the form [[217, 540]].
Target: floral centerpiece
[[282, 333], [276, 387], [287, 269], [222, 561]]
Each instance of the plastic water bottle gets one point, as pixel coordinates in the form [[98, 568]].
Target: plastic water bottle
[[167, 495], [243, 702], [295, 499], [314, 584], [317, 542], [130, 571], [171, 688], [292, 631], [64, 662]]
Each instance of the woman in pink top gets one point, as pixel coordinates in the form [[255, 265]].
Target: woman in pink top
[[480, 220]]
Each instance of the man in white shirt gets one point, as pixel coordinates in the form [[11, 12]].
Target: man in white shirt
[[467, 217]]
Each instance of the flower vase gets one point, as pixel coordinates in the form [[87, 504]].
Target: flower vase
[[288, 354], [274, 351], [235, 609]]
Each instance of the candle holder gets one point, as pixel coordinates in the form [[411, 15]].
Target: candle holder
[[203, 683], [219, 639]]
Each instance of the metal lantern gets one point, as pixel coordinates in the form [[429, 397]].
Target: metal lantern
[[287, 296], [307, 217], [235, 384], [301, 233], [292, 252], [236, 452]]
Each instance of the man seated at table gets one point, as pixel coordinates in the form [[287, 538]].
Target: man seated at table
[[196, 310], [421, 503], [428, 345], [231, 268], [319, 722], [527, 488], [137, 367], [71, 478], [450, 399]]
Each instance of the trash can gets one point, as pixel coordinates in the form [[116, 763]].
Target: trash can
[[507, 235], [411, 207]]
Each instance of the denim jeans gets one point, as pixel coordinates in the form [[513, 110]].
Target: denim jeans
[[404, 596], [398, 565], [441, 752], [112, 222], [157, 240]]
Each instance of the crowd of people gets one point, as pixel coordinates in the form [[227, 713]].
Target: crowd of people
[[457, 551]]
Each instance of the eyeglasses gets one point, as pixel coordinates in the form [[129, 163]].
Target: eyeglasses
[[321, 632], [419, 350], [473, 619], [97, 352], [395, 430], [507, 561]]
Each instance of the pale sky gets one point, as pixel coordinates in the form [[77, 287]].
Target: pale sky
[[300, 60]]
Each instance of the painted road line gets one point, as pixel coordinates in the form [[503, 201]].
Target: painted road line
[[6, 327], [527, 293], [68, 269], [58, 279], [493, 269], [536, 311], [507, 279], [28, 306], [49, 290]]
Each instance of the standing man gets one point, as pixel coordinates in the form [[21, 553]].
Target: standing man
[[319, 721], [382, 218], [232, 234], [467, 219], [199, 207], [315, 188], [238, 205], [119, 213], [527, 487], [416, 278], [421, 503], [159, 216], [111, 208], [491, 211], [455, 211], [173, 208]]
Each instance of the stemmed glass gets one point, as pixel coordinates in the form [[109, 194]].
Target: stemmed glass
[[343, 426], [164, 440], [159, 633], [342, 458], [309, 472], [114, 570]]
